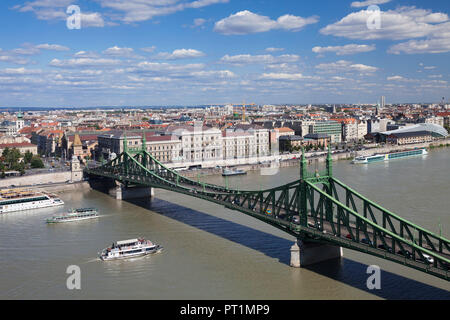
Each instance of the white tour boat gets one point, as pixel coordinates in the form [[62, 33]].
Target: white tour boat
[[129, 249], [18, 200], [390, 156], [75, 215]]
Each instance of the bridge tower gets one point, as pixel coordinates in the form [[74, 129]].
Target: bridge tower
[[124, 190], [303, 199], [304, 252]]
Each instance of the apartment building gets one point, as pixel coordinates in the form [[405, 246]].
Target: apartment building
[[332, 128], [198, 143], [238, 144]]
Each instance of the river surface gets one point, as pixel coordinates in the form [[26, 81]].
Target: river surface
[[214, 253]]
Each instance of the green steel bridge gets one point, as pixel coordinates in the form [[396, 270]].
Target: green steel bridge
[[315, 208]]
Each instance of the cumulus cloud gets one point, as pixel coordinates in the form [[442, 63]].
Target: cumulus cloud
[[399, 24], [245, 22], [359, 4], [400, 79], [82, 62], [259, 59], [166, 68], [119, 52], [180, 54], [130, 11], [282, 76], [199, 22], [345, 50], [93, 19], [274, 49], [212, 73], [395, 78], [56, 10], [437, 45], [345, 66], [20, 71], [149, 49], [55, 47]]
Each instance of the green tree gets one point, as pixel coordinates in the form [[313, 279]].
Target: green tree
[[21, 168], [28, 156], [5, 152], [12, 157], [36, 162]]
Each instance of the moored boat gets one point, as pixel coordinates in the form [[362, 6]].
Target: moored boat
[[75, 215], [236, 172], [21, 199], [129, 249], [390, 156]]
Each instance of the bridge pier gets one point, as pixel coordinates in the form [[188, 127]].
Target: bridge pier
[[307, 253], [123, 193]]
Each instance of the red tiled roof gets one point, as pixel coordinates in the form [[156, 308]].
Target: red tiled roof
[[16, 145]]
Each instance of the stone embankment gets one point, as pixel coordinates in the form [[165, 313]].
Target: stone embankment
[[37, 179]]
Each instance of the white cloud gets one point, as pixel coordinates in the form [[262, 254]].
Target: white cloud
[[20, 71], [245, 22], [274, 49], [282, 76], [199, 22], [11, 57], [400, 79], [395, 78], [345, 50], [259, 59], [119, 52], [93, 19], [149, 49], [86, 54], [359, 4], [82, 62], [28, 49], [56, 10], [141, 10], [156, 67], [180, 54], [437, 45], [216, 74], [55, 47], [399, 24], [345, 66]]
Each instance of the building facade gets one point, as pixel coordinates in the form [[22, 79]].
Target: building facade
[[332, 128]]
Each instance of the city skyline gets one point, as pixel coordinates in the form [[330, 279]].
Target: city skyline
[[147, 53]]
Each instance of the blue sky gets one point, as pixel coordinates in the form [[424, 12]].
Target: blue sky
[[191, 52]]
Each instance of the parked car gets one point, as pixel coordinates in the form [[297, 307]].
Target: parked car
[[366, 241], [348, 236], [427, 258]]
